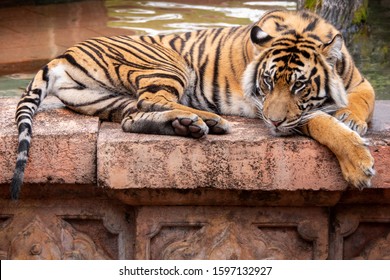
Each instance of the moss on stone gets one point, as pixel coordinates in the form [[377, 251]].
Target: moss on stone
[[312, 4], [360, 15]]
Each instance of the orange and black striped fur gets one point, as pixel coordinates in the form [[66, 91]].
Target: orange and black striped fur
[[289, 68]]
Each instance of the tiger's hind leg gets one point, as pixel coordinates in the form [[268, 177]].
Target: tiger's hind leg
[[103, 104], [172, 122], [123, 108], [150, 115], [164, 100]]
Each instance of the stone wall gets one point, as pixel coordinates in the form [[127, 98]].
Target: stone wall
[[94, 192]]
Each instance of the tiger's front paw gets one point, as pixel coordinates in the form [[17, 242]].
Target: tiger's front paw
[[357, 164], [351, 120]]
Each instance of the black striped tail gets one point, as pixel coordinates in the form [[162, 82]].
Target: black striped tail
[[23, 149], [28, 105]]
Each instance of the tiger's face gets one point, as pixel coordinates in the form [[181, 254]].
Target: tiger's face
[[292, 79], [287, 87]]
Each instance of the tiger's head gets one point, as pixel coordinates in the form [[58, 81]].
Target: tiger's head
[[293, 77]]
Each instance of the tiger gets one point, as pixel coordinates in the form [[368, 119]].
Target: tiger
[[290, 68]]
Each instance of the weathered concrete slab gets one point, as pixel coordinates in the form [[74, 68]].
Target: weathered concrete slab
[[247, 159], [63, 145]]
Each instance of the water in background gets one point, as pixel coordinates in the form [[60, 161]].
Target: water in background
[[14, 84], [370, 47], [156, 17]]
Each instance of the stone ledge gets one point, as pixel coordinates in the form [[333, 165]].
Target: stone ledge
[[247, 159], [68, 148], [63, 145]]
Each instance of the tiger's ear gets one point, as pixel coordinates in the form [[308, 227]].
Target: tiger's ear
[[259, 37], [332, 49]]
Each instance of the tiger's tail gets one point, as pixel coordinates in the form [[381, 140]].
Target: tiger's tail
[[35, 92]]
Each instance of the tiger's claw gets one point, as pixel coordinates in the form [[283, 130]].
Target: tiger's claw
[[352, 121]]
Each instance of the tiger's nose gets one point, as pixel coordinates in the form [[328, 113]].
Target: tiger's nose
[[276, 123]]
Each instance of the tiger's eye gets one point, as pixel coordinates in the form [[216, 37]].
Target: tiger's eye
[[298, 86], [267, 80]]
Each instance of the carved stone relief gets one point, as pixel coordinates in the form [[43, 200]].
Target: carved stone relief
[[378, 249], [87, 233], [83, 230], [361, 233], [37, 241], [230, 233], [232, 242], [170, 240], [5, 220]]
